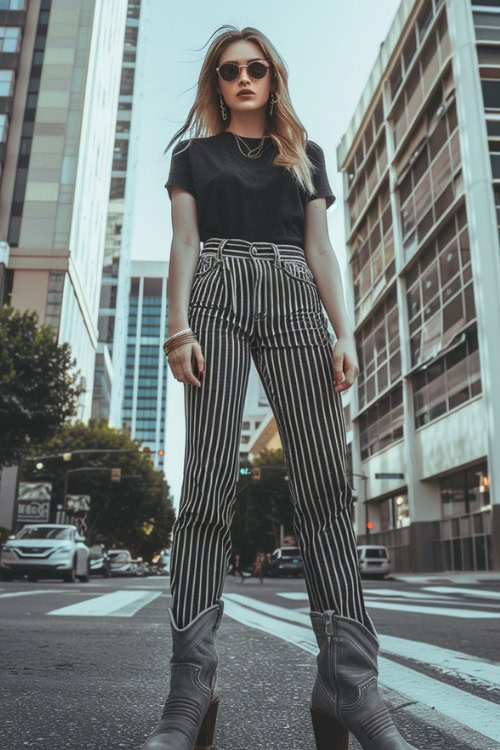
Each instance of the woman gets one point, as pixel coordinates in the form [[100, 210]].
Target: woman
[[254, 190]]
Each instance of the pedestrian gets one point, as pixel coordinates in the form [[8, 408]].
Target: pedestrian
[[258, 570], [237, 568], [253, 189]]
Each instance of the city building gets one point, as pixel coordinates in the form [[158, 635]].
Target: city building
[[421, 169], [60, 66], [112, 329], [144, 409]]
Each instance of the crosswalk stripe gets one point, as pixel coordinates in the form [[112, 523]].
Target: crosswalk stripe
[[12, 594], [432, 610], [466, 592], [463, 665], [118, 604], [478, 714], [406, 607]]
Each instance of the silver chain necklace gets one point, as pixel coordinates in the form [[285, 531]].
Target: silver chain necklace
[[250, 153]]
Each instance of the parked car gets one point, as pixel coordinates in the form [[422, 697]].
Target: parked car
[[122, 563], [46, 550], [374, 560], [99, 561], [141, 568], [286, 561]]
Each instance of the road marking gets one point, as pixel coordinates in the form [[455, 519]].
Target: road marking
[[118, 604], [478, 714], [465, 592], [404, 607], [461, 665], [30, 593], [470, 669], [431, 610]]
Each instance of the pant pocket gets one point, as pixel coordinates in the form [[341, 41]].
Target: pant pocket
[[298, 270]]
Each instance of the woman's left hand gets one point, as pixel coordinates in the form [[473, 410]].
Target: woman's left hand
[[345, 363]]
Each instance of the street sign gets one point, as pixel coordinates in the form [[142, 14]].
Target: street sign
[[33, 502], [388, 475]]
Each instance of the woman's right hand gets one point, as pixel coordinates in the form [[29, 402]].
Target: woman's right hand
[[180, 360]]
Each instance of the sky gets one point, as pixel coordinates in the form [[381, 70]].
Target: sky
[[329, 47]]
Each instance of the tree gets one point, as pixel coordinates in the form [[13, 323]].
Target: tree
[[37, 391], [135, 513]]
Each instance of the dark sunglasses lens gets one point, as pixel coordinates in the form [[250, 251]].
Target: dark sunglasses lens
[[228, 72], [257, 70]]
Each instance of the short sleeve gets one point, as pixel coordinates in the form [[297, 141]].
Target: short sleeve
[[319, 176], [180, 169]]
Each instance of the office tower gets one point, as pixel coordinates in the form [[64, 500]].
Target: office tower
[[421, 169]]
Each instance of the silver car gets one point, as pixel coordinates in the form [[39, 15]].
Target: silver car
[[45, 551]]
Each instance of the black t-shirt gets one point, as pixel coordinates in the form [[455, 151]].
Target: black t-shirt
[[242, 198]]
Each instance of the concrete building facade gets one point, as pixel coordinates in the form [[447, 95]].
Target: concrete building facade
[[60, 63], [421, 168]]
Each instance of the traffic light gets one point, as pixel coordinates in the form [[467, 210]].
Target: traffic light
[[161, 452], [116, 475]]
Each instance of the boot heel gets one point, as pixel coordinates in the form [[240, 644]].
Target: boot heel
[[329, 733], [205, 737]]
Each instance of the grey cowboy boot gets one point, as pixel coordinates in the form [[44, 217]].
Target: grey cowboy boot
[[188, 718], [345, 695]]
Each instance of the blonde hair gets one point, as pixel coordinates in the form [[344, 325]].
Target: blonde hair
[[284, 126]]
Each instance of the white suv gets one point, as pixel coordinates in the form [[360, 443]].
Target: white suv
[[45, 550], [374, 560]]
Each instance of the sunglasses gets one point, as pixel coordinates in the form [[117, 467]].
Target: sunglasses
[[231, 71]]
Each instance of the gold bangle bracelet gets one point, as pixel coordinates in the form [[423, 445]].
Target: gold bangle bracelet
[[186, 338]]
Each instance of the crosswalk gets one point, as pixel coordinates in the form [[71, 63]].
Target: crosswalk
[[462, 687]]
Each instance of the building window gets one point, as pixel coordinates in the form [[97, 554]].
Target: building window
[[440, 294], [372, 259], [382, 424], [466, 525], [370, 134], [54, 299], [491, 94], [10, 38], [4, 128], [394, 512], [496, 196], [448, 381], [6, 82], [487, 25], [418, 77], [379, 351], [429, 174], [12, 4]]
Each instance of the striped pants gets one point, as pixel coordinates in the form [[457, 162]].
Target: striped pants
[[260, 300]]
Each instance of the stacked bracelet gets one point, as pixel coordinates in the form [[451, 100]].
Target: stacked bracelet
[[178, 339]]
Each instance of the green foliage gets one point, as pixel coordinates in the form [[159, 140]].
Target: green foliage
[[38, 393], [135, 513], [261, 508]]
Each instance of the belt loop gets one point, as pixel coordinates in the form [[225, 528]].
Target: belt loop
[[277, 259], [220, 249]]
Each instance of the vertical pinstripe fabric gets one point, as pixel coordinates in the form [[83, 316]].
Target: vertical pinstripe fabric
[[259, 300]]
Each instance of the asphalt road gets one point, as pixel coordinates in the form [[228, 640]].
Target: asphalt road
[[86, 666]]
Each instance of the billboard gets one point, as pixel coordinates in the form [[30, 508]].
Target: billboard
[[33, 502]]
